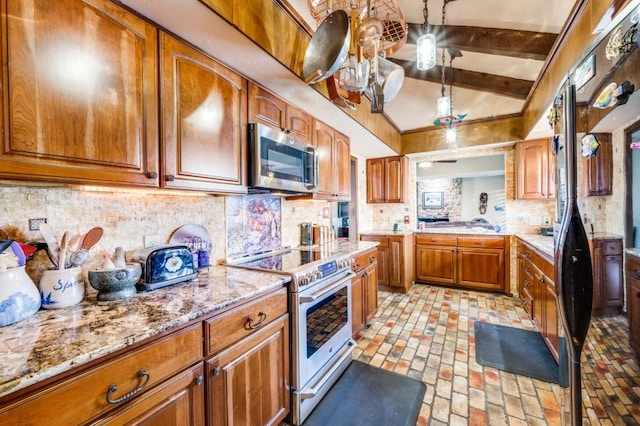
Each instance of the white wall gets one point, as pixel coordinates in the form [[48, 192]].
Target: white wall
[[470, 197]]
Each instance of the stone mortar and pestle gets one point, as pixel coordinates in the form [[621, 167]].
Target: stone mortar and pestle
[[117, 279]]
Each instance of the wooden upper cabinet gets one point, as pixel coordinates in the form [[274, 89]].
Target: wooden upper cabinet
[[299, 124], [395, 179], [375, 180], [266, 108], [387, 179], [535, 170], [597, 171], [80, 99], [204, 121], [342, 166], [323, 138], [334, 169]]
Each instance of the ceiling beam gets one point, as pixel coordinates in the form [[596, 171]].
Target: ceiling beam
[[493, 41], [500, 85]]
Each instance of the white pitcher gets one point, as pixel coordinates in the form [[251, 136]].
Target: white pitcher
[[19, 297], [61, 288]]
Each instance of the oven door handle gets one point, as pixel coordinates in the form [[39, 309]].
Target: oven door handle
[[328, 290], [311, 392]]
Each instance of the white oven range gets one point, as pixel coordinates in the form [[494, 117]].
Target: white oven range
[[321, 319]]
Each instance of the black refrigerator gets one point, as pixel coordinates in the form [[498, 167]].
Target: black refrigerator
[[573, 269]]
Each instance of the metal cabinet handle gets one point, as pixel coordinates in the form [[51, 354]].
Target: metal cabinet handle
[[217, 371], [541, 280], [171, 178], [199, 380], [251, 326], [636, 274], [128, 395], [152, 175]]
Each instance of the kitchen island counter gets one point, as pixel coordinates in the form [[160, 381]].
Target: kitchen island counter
[[54, 341]]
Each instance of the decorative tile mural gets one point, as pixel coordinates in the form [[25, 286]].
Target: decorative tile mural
[[253, 224]]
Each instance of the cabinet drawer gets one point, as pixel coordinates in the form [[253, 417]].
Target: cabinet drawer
[[434, 239], [612, 247], [84, 397], [240, 322], [363, 260], [481, 242]]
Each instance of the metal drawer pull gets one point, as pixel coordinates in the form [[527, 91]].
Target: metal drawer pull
[[127, 396], [199, 380], [250, 326]]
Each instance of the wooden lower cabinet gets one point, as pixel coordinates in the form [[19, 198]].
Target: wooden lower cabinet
[[395, 254], [248, 383], [538, 293], [436, 259], [608, 286], [463, 261], [247, 369], [178, 401], [237, 373], [633, 302], [83, 397], [364, 290]]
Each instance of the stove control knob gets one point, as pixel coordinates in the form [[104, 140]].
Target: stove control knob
[[303, 280], [311, 276], [317, 275]]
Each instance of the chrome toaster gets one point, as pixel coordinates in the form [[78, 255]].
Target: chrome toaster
[[164, 265]]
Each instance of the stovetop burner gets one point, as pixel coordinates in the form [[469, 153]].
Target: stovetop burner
[[305, 266]]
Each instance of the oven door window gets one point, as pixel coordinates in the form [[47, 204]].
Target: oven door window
[[284, 162], [326, 319]]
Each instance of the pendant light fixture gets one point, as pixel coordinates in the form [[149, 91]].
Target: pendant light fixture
[[444, 106], [444, 101], [426, 45]]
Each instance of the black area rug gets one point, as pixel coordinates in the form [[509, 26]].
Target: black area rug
[[518, 351], [369, 396]]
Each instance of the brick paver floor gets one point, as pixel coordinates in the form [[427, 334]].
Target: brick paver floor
[[428, 334]]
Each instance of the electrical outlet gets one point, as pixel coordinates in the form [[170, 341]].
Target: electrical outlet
[[406, 218], [152, 240], [535, 220], [34, 224], [546, 220]]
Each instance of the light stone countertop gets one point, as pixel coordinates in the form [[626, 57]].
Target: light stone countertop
[[543, 243], [344, 246], [457, 230], [633, 252], [54, 341], [389, 232]]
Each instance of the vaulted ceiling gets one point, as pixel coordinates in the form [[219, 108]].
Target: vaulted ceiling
[[504, 45]]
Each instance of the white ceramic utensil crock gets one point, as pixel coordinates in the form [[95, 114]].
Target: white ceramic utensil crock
[[19, 297], [60, 288]]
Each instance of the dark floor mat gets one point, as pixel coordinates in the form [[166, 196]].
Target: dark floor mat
[[518, 351], [369, 396]]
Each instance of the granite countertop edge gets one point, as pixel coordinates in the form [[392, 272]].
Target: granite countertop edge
[[454, 231], [54, 341], [543, 243]]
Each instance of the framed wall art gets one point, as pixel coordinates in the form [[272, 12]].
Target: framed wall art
[[432, 200]]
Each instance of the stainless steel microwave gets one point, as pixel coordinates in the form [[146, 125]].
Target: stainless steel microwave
[[278, 162]]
